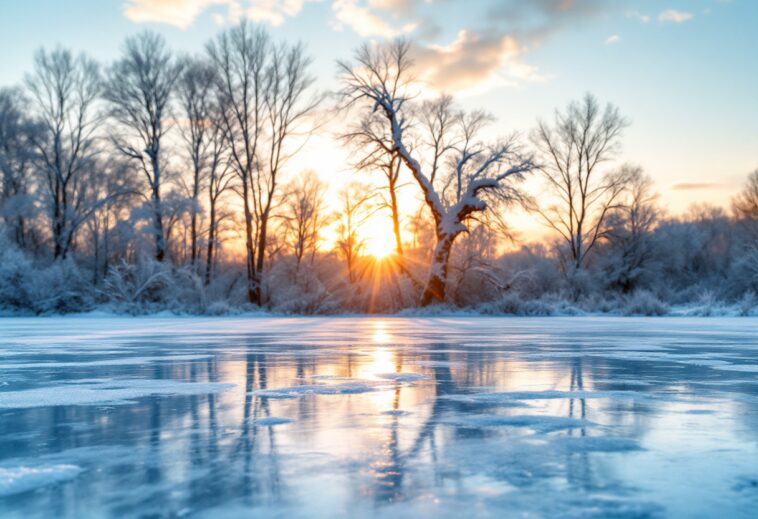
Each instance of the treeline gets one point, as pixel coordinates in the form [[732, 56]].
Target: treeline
[[165, 182]]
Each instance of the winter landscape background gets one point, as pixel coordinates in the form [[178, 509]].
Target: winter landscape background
[[237, 175], [378, 259]]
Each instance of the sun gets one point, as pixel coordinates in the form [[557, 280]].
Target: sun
[[379, 239]]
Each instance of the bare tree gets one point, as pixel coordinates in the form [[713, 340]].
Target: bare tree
[[745, 204], [64, 89], [220, 178], [375, 151], [263, 91], [630, 229], [195, 90], [437, 118], [16, 157], [579, 194], [287, 109], [112, 188], [305, 216], [139, 90], [745, 209], [356, 207], [239, 56], [380, 76]]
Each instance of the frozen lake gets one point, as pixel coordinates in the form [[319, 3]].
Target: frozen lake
[[378, 417]]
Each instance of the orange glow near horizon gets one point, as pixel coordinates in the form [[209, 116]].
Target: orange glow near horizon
[[379, 238]]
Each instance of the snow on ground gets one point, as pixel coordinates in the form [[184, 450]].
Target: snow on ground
[[164, 416]]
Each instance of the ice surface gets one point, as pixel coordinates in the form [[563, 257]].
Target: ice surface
[[539, 422], [378, 417], [111, 392], [509, 397], [402, 377], [125, 361], [272, 420], [347, 388], [396, 412], [16, 480]]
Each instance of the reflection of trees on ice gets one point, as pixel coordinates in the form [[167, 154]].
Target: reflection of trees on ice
[[500, 426]]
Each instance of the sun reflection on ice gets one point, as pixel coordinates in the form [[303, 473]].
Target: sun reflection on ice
[[380, 334], [382, 361]]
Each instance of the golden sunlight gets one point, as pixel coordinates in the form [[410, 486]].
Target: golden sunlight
[[379, 238]]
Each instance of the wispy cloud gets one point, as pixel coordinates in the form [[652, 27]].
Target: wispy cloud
[[376, 18], [674, 16], [273, 11], [181, 13], [692, 186], [539, 19], [644, 18], [490, 50], [472, 59], [613, 38]]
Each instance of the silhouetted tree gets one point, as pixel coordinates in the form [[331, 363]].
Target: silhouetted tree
[[381, 76], [579, 195], [139, 88], [64, 89]]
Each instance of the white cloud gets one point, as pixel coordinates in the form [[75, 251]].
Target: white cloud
[[365, 21], [473, 59], [181, 13], [613, 38], [273, 11], [476, 59], [639, 16], [672, 15]]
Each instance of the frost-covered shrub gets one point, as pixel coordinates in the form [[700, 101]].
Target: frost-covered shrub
[[15, 267], [513, 304], [137, 287], [437, 310], [644, 302], [150, 286], [742, 278], [293, 299], [707, 303], [27, 286], [298, 290], [530, 272], [748, 305], [605, 303], [61, 288], [218, 308]]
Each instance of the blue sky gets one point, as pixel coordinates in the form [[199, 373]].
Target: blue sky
[[685, 72]]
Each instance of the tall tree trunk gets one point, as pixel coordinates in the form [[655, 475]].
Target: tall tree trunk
[[57, 224], [193, 237], [395, 219], [434, 292], [96, 248], [252, 282], [211, 239], [105, 241], [193, 225], [262, 237], [160, 241], [20, 232]]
